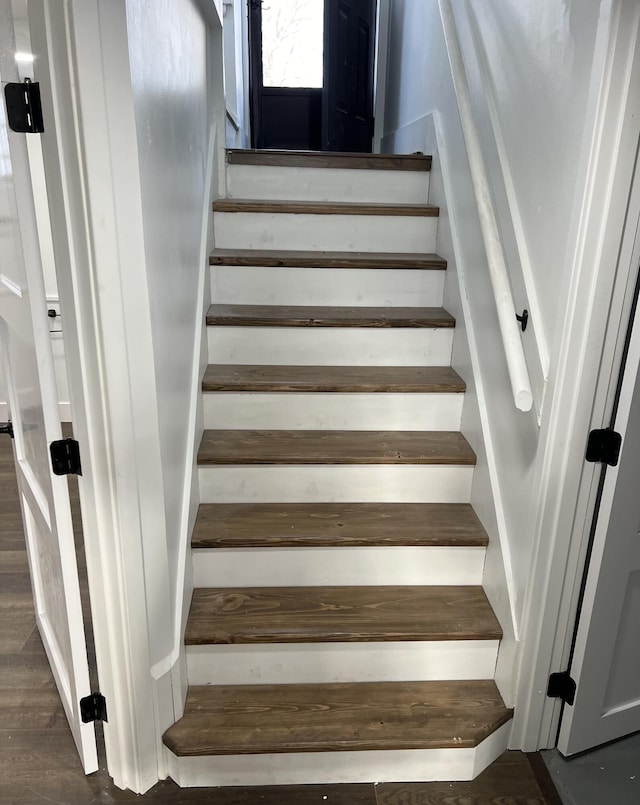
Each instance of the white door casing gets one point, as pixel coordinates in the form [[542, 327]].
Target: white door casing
[[27, 362], [606, 656]]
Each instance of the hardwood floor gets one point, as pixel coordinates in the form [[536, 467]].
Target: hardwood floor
[[39, 763]]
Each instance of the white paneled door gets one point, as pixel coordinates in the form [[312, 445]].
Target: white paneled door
[[606, 661], [27, 363]]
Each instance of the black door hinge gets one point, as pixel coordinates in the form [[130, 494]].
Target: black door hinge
[[604, 445], [24, 108], [93, 708], [562, 686], [65, 457], [8, 429]]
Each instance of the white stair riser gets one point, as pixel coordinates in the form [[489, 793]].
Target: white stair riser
[[317, 411], [299, 768], [355, 233], [337, 566], [268, 183], [342, 287], [297, 663], [335, 484], [330, 346]]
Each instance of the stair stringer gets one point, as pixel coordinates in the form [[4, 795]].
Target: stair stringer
[[485, 493]]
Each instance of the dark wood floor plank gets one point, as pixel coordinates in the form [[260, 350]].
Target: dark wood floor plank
[[334, 447], [254, 525], [339, 614], [329, 159], [31, 708], [13, 562], [324, 208], [323, 259], [315, 316], [366, 379], [508, 781], [336, 717], [64, 787], [17, 628]]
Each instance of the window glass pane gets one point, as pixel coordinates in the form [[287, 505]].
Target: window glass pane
[[292, 43]]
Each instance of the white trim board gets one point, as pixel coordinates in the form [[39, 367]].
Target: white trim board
[[63, 407], [80, 99], [283, 663], [272, 183], [342, 233], [330, 346], [337, 566], [347, 287], [332, 411], [336, 483]]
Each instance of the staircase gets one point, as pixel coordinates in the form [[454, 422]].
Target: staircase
[[338, 630]]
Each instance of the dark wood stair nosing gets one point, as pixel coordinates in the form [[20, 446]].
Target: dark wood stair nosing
[[321, 259], [228, 205], [328, 159], [226, 315]]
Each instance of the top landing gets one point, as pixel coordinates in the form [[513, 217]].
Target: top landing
[[329, 159]]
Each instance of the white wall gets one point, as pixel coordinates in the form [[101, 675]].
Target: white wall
[[531, 66], [236, 72], [169, 76]]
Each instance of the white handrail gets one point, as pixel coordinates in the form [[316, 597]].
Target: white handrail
[[509, 328]]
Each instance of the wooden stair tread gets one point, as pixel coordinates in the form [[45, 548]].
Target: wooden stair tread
[[252, 719], [322, 259], [256, 525], [414, 379], [339, 614], [334, 447], [324, 316], [324, 207], [329, 159]]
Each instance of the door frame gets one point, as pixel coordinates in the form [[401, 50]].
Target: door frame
[[78, 101], [380, 71], [90, 153], [598, 311], [381, 58], [622, 388]]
